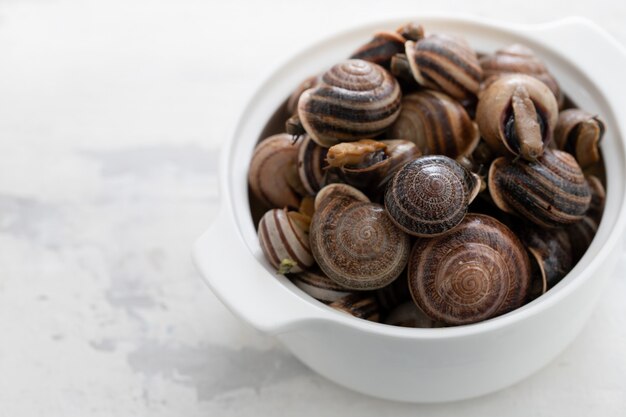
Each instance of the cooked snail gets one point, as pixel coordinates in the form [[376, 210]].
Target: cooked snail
[[579, 133]]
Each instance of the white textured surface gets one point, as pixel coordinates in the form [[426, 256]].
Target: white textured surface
[[111, 114]]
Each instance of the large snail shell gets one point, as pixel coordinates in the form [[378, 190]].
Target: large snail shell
[[356, 244], [312, 165], [430, 195], [284, 243], [273, 163], [381, 48], [446, 64], [437, 124], [477, 271], [355, 100], [519, 112], [315, 283], [549, 192], [579, 133]]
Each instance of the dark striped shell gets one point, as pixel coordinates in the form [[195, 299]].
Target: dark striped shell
[[579, 133], [356, 244], [437, 124], [477, 271], [315, 283], [381, 48], [446, 64], [358, 305], [312, 165], [355, 100], [284, 244], [549, 192], [430, 195]]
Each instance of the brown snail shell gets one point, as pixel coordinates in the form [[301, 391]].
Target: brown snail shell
[[381, 48], [358, 305], [581, 235], [408, 314], [551, 250], [519, 58], [272, 172], [292, 103], [477, 271], [550, 192], [519, 112], [445, 63], [356, 244], [429, 196], [411, 31], [315, 283], [331, 191], [284, 243], [579, 133], [437, 124], [312, 165], [598, 198], [355, 100]]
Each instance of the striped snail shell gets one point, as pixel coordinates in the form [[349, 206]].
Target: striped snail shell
[[355, 100], [312, 165], [356, 244], [381, 48], [477, 271], [284, 242], [445, 63], [315, 283], [271, 170], [358, 305], [519, 58], [429, 196], [437, 124], [579, 133], [550, 192], [408, 314], [519, 112]]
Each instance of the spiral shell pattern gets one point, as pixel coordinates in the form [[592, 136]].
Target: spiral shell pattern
[[311, 165], [446, 64], [430, 195], [477, 271], [550, 192], [283, 242], [315, 283], [355, 100], [356, 244], [437, 124]]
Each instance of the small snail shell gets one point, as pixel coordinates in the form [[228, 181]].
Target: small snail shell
[[477, 271], [410, 315], [358, 305], [437, 124], [381, 48], [518, 58], [430, 195], [331, 191], [581, 235], [446, 64], [411, 31], [355, 100], [579, 133], [272, 165], [292, 103], [519, 112], [312, 165], [598, 198], [551, 250], [549, 192], [284, 244], [315, 283], [356, 244]]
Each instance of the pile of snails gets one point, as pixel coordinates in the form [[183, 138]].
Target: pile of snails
[[420, 184]]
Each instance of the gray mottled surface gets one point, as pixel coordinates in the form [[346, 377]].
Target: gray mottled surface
[[111, 115]]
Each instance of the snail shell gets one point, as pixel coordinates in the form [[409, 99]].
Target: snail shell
[[518, 58], [580, 133], [410, 315], [331, 191], [381, 48], [358, 305], [551, 250], [411, 31], [446, 64], [581, 235], [284, 243], [430, 195], [356, 244], [315, 283], [549, 192], [272, 166], [437, 124], [312, 165], [598, 198], [477, 271], [355, 100], [519, 112]]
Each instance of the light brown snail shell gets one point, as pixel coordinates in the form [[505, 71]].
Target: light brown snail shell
[[355, 100], [430, 195], [579, 133], [437, 124], [315, 283], [477, 271], [550, 192], [272, 172], [356, 244], [331, 191], [284, 243], [408, 314], [312, 165], [445, 63], [358, 305], [381, 48], [519, 112]]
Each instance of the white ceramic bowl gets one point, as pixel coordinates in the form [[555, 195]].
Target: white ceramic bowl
[[423, 365]]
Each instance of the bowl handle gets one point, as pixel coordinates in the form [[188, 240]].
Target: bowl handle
[[243, 285]]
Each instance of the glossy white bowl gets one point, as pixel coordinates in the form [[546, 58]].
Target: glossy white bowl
[[423, 365]]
